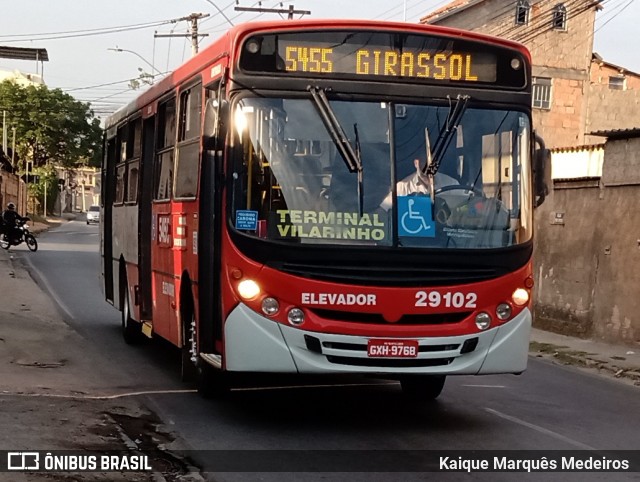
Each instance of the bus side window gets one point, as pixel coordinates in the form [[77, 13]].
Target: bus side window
[[121, 167], [215, 113], [165, 141], [187, 167]]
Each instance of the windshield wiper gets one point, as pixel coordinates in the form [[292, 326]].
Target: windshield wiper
[[351, 157], [446, 134], [358, 153]]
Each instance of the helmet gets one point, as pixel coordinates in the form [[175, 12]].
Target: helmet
[[11, 206]]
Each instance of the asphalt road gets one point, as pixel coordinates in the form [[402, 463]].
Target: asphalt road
[[549, 407]]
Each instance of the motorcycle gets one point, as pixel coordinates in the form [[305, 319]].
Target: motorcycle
[[20, 235]]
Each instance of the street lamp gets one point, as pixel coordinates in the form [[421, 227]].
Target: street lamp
[[117, 49]]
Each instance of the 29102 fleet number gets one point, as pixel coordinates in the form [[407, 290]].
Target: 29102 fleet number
[[435, 299]]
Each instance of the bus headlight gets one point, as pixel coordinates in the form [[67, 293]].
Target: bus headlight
[[520, 297], [483, 320], [253, 46], [503, 311], [296, 316], [270, 306], [248, 289]]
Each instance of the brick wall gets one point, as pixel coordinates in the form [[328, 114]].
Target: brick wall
[[601, 71], [12, 189], [563, 56], [563, 124], [612, 109]]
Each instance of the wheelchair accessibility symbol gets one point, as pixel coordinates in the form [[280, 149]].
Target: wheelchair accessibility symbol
[[414, 213]]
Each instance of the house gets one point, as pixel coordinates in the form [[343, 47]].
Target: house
[[574, 91], [20, 78], [81, 187], [588, 112]]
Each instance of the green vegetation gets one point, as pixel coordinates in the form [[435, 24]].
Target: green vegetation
[[51, 126]]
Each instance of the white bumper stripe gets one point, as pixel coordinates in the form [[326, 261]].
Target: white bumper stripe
[[256, 343]]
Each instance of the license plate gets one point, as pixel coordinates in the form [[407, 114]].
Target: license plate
[[392, 348]]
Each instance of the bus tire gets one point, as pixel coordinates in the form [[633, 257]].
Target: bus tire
[[131, 329], [426, 387], [211, 382]]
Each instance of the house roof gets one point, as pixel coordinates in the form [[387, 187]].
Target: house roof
[[449, 9], [596, 58], [589, 147], [618, 133], [459, 5], [22, 53]]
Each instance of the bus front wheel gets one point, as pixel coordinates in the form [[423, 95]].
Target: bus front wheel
[[211, 382], [423, 387]]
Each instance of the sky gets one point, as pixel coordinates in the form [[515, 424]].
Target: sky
[[79, 33]]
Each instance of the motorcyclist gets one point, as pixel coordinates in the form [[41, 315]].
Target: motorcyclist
[[11, 218]]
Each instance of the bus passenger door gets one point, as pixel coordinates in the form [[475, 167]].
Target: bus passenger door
[[144, 216], [209, 265], [108, 195]]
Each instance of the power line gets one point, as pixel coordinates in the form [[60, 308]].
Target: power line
[[215, 28], [93, 33], [219, 11], [193, 31], [618, 13], [291, 11], [138, 25]]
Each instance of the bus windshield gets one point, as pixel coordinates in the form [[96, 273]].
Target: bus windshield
[[407, 175]]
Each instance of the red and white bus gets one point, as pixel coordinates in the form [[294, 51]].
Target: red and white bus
[[329, 196]]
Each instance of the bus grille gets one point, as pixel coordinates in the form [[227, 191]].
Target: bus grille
[[377, 318], [388, 275], [389, 362], [355, 354]]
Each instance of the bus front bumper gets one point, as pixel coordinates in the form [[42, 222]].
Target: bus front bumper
[[254, 343]]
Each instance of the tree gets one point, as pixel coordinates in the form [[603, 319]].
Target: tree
[[51, 126], [47, 185]]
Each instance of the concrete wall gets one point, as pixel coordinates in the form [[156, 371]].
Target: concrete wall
[[588, 251]]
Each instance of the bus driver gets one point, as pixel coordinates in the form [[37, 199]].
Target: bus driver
[[417, 183]]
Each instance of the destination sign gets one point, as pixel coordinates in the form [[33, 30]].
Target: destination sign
[[370, 55], [451, 66]]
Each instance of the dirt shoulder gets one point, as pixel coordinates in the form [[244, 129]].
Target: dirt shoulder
[[52, 397], [618, 361]]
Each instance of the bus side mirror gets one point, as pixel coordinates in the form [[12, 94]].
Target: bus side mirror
[[541, 172]]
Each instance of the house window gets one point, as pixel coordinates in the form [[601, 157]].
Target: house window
[[522, 12], [560, 17], [542, 92], [617, 82]]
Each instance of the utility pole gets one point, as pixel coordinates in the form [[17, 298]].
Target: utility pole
[[4, 132], [289, 11], [13, 148], [193, 31]]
